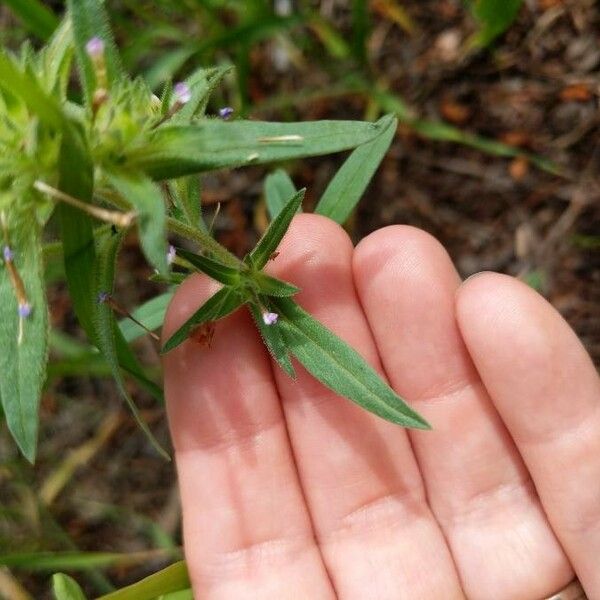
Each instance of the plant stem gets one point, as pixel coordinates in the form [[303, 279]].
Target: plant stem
[[205, 241], [110, 216]]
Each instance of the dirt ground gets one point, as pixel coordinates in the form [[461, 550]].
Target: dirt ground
[[538, 88]]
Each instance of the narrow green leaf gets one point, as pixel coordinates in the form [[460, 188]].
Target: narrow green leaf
[[66, 588], [495, 17], [79, 251], [204, 240], [90, 20], [269, 242], [439, 130], [80, 560], [174, 578], [24, 341], [145, 196], [201, 83], [350, 182], [339, 367], [216, 270], [174, 151], [166, 97], [219, 305], [151, 314], [269, 286], [76, 179], [39, 19], [273, 339], [107, 332], [186, 194], [57, 58], [181, 595], [26, 87], [129, 363], [279, 188], [360, 29]]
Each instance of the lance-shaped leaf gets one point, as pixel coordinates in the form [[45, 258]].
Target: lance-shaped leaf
[[173, 151], [279, 188], [216, 270], [273, 339], [26, 87], [269, 242], [76, 179], [24, 341], [145, 196], [339, 367], [90, 20], [151, 314], [181, 595], [173, 578], [36, 17], [201, 84], [106, 327], [270, 286], [79, 250], [187, 197], [66, 588], [219, 305], [350, 182], [494, 16], [56, 59]]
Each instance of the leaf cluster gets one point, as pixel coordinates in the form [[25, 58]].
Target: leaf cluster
[[123, 158]]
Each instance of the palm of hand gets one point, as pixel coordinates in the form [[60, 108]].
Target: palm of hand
[[289, 491]]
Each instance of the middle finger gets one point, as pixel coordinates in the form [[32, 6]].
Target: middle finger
[[362, 485]]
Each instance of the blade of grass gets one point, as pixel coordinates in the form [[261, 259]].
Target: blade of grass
[[350, 182], [107, 334], [37, 17], [279, 188], [174, 578]]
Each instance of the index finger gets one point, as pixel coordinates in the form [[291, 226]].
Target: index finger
[[246, 529]]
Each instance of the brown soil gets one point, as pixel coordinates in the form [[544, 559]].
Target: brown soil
[[538, 88]]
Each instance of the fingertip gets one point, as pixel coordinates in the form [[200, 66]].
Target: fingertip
[[410, 251], [312, 239], [517, 338], [493, 302]]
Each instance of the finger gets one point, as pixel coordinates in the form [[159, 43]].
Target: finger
[[358, 472], [476, 482], [246, 529], [547, 391]]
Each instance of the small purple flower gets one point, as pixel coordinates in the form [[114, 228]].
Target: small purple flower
[[102, 297], [24, 309], [171, 254], [270, 318], [95, 48], [225, 112], [8, 254], [182, 92]]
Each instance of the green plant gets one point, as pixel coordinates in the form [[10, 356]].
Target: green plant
[[124, 158], [494, 17]]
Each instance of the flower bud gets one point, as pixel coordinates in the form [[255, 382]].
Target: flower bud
[[270, 318], [225, 112]]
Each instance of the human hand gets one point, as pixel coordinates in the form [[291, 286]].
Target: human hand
[[290, 491]]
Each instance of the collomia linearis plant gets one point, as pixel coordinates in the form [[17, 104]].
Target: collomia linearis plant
[[124, 158]]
